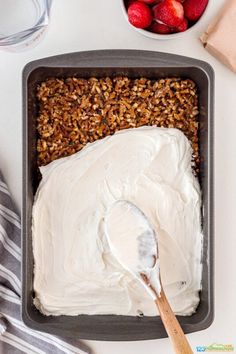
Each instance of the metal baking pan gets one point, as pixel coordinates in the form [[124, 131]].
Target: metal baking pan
[[133, 63]]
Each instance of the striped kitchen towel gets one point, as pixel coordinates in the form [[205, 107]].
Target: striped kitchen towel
[[15, 337]]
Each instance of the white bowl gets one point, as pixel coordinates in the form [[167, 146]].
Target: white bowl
[[163, 36]]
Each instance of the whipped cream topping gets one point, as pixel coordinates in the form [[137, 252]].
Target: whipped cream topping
[[75, 271]]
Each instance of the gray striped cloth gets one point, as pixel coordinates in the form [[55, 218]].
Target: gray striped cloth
[[15, 337]]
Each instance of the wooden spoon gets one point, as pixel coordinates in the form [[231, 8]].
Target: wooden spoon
[[133, 242]]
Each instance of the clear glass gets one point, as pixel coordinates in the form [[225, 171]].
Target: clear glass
[[22, 22]]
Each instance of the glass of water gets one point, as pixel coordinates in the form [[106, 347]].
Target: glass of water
[[23, 23]]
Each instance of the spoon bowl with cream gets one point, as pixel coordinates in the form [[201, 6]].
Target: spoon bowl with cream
[[133, 242]]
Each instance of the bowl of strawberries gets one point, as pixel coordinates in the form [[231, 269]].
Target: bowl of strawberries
[[164, 19]]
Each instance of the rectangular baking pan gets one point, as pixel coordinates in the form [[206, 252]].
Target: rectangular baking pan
[[133, 63]]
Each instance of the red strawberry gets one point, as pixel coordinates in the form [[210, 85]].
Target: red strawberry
[[149, 2], [139, 14], [161, 28], [170, 12], [194, 9], [130, 2], [183, 26]]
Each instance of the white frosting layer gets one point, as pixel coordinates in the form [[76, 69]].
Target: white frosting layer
[[75, 271]]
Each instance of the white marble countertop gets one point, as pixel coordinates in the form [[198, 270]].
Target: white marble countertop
[[78, 25]]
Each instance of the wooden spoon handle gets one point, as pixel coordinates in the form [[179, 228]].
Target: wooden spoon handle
[[172, 326]]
